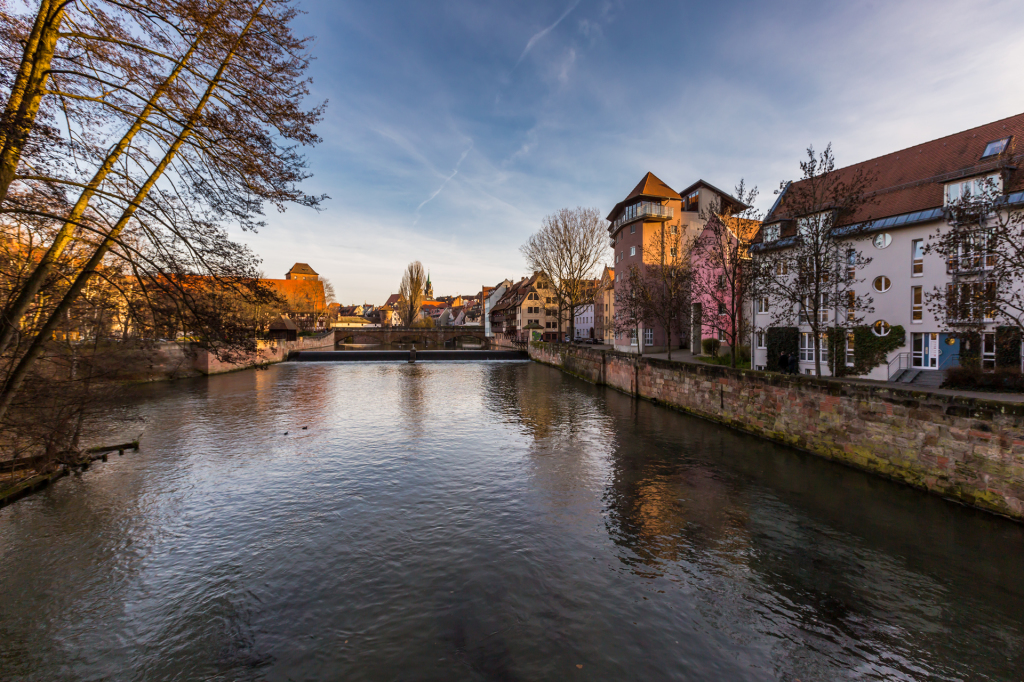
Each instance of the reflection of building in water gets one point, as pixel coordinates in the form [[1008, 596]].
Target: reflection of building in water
[[672, 511]]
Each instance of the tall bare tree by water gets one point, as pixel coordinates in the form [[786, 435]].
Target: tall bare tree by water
[[722, 275], [214, 123], [808, 265], [568, 249], [410, 293]]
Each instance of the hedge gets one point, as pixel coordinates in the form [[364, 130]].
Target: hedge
[[869, 350], [781, 340]]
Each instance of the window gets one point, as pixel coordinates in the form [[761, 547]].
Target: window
[[771, 233], [881, 328], [672, 229], [850, 354], [762, 304], [762, 340], [971, 301], [632, 229], [648, 337], [632, 337], [976, 187], [721, 335], [881, 241], [916, 305], [691, 202], [988, 350], [782, 268], [806, 347], [882, 283], [632, 251], [997, 147], [972, 253], [851, 264], [917, 257], [722, 309], [817, 223], [673, 252], [851, 306]]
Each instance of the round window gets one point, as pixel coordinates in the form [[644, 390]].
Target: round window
[[881, 328], [883, 240], [882, 283]]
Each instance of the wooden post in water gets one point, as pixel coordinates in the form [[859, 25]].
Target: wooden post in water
[[412, 354]]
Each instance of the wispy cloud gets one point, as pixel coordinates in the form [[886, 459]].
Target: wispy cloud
[[543, 32]]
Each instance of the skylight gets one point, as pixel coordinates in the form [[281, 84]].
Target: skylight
[[997, 147]]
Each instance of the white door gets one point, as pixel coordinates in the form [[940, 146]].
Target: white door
[[933, 351]]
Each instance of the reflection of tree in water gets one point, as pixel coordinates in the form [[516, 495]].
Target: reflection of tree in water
[[412, 404], [538, 399]]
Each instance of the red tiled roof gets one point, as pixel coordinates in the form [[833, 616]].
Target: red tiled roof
[[912, 179], [393, 299], [649, 186]]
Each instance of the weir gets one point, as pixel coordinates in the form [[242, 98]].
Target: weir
[[404, 355]]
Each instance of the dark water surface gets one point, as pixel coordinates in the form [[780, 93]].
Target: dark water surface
[[484, 521]]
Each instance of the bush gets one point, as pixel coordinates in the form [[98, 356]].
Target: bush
[[781, 340], [971, 377], [710, 347]]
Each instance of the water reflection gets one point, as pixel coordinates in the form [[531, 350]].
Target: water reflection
[[488, 521]]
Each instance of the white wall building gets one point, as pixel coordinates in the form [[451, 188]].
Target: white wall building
[[585, 322], [910, 191]]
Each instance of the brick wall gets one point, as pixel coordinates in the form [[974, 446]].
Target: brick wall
[[964, 449]]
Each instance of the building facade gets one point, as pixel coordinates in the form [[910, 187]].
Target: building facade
[[650, 216], [911, 191]]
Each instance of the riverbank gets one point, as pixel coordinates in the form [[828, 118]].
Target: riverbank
[[966, 449]]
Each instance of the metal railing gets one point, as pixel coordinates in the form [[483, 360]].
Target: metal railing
[[645, 209], [949, 360], [901, 362]]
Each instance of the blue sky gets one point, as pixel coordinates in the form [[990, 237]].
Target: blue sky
[[454, 127]]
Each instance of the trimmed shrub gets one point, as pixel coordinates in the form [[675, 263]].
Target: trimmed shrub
[[972, 378], [710, 347], [1008, 347], [781, 340]]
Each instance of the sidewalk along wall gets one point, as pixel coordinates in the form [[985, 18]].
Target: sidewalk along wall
[[965, 449], [268, 352]]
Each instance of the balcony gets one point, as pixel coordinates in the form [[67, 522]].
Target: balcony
[[970, 263], [645, 210]]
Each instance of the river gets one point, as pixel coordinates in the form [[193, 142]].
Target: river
[[487, 521]]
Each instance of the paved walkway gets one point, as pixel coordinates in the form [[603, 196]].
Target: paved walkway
[[685, 356]]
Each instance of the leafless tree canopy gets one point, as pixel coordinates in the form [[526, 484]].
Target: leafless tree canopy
[[411, 293], [721, 274], [132, 135], [811, 275], [568, 249]]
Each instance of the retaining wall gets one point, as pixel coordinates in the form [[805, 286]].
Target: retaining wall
[[965, 449], [268, 352]]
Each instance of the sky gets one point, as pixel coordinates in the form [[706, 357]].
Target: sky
[[453, 127]]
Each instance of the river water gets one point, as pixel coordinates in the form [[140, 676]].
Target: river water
[[488, 521]]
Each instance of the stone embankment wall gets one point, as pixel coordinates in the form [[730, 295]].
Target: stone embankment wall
[[965, 449], [268, 352]]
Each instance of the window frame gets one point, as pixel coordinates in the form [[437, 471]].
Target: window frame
[[917, 305]]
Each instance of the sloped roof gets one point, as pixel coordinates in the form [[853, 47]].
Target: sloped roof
[[729, 199], [912, 179], [649, 186], [302, 269], [393, 299], [285, 323]]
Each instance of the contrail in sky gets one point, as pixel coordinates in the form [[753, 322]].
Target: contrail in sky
[[438, 190], [540, 34]]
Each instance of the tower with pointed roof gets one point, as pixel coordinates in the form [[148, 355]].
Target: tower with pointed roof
[[428, 290]]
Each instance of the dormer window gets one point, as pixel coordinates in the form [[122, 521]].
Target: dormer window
[[771, 233], [996, 147], [975, 187]]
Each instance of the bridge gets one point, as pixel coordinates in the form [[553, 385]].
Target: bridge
[[423, 337]]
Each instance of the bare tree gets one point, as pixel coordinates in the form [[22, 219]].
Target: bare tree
[[665, 285], [632, 307], [410, 293], [983, 247], [719, 257], [567, 249], [809, 265]]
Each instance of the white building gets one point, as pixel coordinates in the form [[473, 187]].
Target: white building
[[490, 300], [585, 322], [910, 191]]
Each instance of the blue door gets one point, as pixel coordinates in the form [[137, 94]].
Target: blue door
[[949, 351]]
